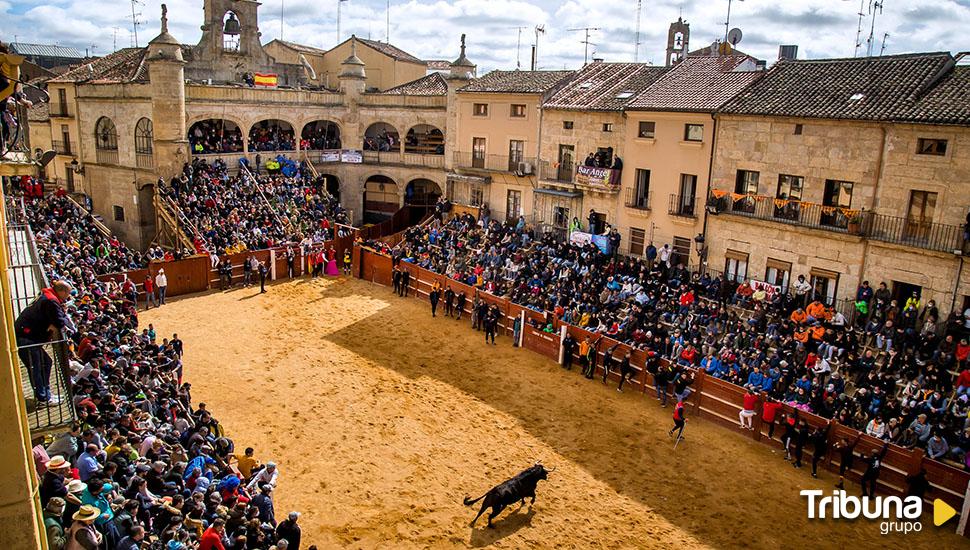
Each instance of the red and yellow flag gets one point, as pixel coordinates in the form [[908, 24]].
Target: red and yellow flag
[[260, 79]]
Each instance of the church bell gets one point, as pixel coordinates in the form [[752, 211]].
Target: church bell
[[232, 25]]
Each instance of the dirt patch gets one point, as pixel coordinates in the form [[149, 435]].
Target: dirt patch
[[382, 419]]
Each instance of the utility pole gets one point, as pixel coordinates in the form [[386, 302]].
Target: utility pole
[[636, 42], [518, 48], [540, 29], [338, 19], [586, 42]]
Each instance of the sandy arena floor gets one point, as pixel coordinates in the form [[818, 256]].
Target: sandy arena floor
[[382, 419]]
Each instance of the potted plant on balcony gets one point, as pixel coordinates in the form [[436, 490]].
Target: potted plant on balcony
[[855, 224]]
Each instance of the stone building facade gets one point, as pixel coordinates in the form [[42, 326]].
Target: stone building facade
[[845, 171]]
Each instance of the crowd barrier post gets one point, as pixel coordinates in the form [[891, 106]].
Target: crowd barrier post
[[562, 336], [272, 264]]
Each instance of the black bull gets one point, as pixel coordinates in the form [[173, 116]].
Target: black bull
[[509, 492]]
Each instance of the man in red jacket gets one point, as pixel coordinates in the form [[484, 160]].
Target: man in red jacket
[[212, 537], [750, 403]]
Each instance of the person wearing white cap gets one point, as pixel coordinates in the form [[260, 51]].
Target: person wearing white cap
[[83, 535], [266, 476], [52, 484], [289, 531]]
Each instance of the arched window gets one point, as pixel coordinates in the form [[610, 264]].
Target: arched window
[[143, 137], [105, 135]]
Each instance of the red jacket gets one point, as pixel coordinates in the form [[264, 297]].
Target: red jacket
[[770, 410], [750, 401], [964, 378], [211, 540]]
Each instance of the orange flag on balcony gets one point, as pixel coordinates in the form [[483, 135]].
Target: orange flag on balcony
[[718, 193], [781, 203], [262, 79]]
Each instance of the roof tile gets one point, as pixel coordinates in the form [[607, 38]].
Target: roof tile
[[698, 84], [518, 82], [432, 84], [605, 86]]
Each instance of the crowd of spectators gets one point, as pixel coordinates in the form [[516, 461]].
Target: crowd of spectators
[[142, 466], [383, 141], [269, 136], [212, 136], [321, 137], [230, 214], [894, 371]]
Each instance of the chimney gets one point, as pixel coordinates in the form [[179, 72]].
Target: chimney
[[787, 52], [597, 60]]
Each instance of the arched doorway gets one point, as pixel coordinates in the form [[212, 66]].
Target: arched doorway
[[420, 195], [215, 136], [381, 136], [425, 139], [331, 184], [271, 135], [319, 135], [380, 199]]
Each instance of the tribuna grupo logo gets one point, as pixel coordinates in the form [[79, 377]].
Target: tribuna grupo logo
[[897, 514]]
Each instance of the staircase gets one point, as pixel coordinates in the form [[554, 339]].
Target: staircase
[[173, 226]]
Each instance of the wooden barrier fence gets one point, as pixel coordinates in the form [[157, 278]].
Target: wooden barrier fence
[[713, 399]]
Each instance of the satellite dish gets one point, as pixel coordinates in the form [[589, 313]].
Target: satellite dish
[[734, 36]]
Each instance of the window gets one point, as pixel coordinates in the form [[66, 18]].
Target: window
[[637, 240], [778, 273], [477, 195], [480, 109], [516, 111], [928, 146], [647, 129], [685, 202], [735, 266], [789, 189], [566, 156], [919, 215], [746, 183], [798, 129], [105, 135], [143, 137], [478, 152], [693, 132], [516, 153], [513, 204], [641, 189], [69, 171], [681, 253], [838, 194], [607, 126], [824, 285], [119, 213], [567, 125]]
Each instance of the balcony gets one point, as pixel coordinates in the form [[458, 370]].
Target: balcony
[[107, 156], [561, 172], [64, 147], [145, 160], [603, 180], [399, 158], [494, 163], [684, 206], [62, 110], [638, 201], [869, 225]]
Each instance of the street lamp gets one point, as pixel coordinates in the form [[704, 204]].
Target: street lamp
[[76, 167], [700, 247]]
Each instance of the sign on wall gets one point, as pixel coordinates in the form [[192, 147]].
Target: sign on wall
[[352, 156], [596, 177]]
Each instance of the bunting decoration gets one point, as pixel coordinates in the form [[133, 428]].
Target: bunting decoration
[[718, 193], [781, 203]]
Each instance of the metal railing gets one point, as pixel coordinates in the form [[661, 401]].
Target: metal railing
[[639, 201], [879, 227], [43, 365], [557, 171], [407, 159], [64, 147], [63, 110], [683, 205], [498, 163], [145, 160], [107, 156]]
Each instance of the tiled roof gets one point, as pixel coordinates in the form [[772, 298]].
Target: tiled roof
[[433, 84], [521, 82], [390, 50], [438, 64], [301, 47], [698, 84], [604, 86], [947, 102], [868, 88], [46, 50], [124, 65]]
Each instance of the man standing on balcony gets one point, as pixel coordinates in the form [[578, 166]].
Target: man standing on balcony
[[38, 324]]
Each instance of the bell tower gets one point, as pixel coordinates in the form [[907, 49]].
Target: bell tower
[[230, 47], [678, 37]]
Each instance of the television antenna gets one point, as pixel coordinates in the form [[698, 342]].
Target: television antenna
[[134, 20], [387, 15], [518, 47], [540, 29], [585, 41], [338, 19], [115, 38], [858, 32], [875, 8], [636, 41], [883, 48]]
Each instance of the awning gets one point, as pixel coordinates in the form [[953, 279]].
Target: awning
[[559, 193], [464, 178]]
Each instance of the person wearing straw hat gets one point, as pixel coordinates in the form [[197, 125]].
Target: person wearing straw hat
[[52, 484], [53, 514], [72, 501], [82, 535]]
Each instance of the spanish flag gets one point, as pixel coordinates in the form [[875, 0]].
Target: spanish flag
[[268, 80]]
